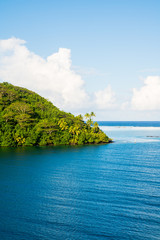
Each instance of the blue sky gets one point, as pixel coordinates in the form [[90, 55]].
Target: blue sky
[[112, 42]]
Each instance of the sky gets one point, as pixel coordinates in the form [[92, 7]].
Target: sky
[[88, 55]]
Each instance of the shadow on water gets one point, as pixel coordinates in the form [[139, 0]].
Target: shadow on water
[[19, 152]]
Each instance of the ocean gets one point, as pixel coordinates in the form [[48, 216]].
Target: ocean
[[108, 191]]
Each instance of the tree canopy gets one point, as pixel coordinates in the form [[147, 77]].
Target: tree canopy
[[27, 119]]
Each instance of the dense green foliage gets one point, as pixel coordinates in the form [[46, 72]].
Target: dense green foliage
[[27, 119]]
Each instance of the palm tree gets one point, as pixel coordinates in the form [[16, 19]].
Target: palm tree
[[92, 114], [95, 127], [80, 117], [89, 118], [87, 115]]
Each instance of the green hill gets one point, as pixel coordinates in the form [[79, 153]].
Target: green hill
[[27, 119]]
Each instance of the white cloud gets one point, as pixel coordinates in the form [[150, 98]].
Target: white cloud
[[105, 99], [51, 77], [10, 44], [125, 105], [148, 97]]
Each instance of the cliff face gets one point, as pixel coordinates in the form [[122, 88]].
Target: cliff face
[[27, 119]]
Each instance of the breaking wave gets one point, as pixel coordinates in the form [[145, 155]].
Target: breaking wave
[[112, 128]]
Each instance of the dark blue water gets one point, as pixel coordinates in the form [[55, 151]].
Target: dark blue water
[[130, 123], [89, 192]]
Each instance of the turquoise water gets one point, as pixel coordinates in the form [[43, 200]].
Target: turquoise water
[[90, 192]]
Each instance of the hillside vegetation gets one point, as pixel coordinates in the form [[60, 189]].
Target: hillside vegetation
[[27, 119]]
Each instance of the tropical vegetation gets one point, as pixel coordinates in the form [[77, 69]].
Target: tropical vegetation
[[27, 119]]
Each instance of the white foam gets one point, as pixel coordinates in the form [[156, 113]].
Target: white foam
[[141, 140], [113, 128]]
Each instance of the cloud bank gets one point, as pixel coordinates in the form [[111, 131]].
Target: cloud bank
[[148, 97], [53, 77], [105, 99]]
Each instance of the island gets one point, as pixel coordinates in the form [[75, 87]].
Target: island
[[27, 119]]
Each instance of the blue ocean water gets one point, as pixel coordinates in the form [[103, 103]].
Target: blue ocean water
[[130, 123], [101, 192]]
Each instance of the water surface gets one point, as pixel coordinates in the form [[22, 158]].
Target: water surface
[[89, 192]]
